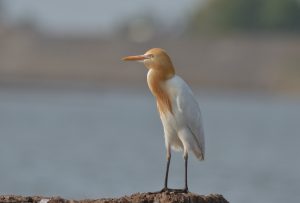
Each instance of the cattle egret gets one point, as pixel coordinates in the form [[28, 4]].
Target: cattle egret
[[177, 107]]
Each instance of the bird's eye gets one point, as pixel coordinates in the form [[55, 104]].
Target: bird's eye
[[151, 55]]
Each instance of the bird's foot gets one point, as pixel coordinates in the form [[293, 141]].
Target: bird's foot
[[165, 189], [185, 190], [168, 190], [160, 191]]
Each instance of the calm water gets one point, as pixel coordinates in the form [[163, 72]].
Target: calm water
[[79, 144]]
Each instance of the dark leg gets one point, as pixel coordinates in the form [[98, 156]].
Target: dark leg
[[167, 172], [186, 177], [185, 190], [166, 189]]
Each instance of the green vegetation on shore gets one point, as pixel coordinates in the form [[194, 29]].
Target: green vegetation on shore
[[246, 15]]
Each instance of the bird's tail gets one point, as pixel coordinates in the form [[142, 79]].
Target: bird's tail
[[199, 153]]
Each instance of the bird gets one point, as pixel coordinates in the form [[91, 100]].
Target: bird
[[178, 109]]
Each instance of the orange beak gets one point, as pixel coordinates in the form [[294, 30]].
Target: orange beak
[[135, 58]]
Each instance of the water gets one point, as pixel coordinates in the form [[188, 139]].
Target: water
[[97, 143]]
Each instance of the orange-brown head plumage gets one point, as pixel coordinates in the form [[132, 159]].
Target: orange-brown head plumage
[[160, 69], [160, 61]]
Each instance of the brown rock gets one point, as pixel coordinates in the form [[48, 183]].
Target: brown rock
[[165, 197]]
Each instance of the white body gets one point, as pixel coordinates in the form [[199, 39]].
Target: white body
[[183, 128]]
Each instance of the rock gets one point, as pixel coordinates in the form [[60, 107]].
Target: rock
[[165, 197]]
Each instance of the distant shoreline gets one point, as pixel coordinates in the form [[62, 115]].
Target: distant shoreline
[[263, 62]]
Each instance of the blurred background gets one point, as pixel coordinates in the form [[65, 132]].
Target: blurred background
[[78, 122]]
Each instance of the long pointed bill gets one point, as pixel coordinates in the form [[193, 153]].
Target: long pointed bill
[[135, 58]]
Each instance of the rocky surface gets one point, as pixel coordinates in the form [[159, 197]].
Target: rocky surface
[[137, 197]]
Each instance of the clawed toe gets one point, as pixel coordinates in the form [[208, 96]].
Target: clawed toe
[[185, 190], [179, 190]]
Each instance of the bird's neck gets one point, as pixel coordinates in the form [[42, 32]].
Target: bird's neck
[[157, 84]]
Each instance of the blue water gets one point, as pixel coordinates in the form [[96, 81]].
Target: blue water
[[100, 143]]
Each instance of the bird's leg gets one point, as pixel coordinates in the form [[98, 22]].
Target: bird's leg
[[186, 176], [165, 188], [185, 189], [167, 171]]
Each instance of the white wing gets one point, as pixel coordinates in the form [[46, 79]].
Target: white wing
[[190, 116]]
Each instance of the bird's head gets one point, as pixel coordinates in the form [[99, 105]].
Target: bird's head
[[156, 59]]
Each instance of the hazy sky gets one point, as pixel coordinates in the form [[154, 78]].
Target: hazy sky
[[93, 15]]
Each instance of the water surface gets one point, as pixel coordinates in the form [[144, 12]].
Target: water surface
[[98, 143]]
